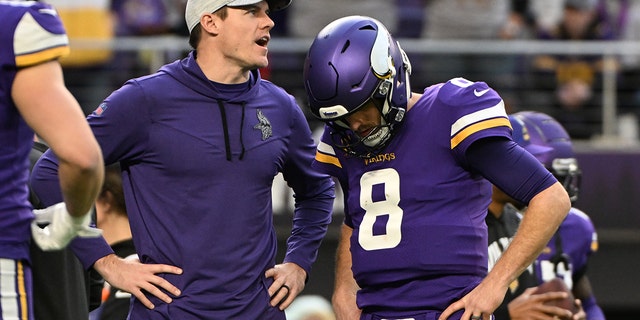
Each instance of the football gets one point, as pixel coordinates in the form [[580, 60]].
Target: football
[[558, 285]]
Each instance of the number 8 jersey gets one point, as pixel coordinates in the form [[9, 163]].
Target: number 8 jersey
[[417, 210]]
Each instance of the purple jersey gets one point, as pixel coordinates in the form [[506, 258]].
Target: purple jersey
[[566, 256], [198, 163], [419, 240], [31, 34], [577, 239]]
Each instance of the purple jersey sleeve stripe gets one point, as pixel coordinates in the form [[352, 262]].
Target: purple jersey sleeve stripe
[[476, 127]]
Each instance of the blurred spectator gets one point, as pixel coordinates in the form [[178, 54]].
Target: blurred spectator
[[310, 307], [308, 17], [575, 80], [625, 21], [145, 18], [149, 17], [546, 14], [475, 20], [86, 71], [410, 18], [304, 19]]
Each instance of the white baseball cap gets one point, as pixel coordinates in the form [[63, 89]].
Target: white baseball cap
[[196, 8]]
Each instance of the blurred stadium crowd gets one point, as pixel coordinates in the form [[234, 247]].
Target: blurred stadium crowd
[[571, 86]]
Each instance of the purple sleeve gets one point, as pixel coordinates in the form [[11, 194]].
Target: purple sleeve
[[509, 167], [45, 184], [592, 309], [121, 123], [313, 192]]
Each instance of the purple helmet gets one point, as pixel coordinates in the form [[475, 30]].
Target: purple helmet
[[352, 61], [549, 142]]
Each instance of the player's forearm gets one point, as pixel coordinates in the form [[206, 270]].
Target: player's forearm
[[544, 215], [80, 185], [310, 223], [344, 281], [344, 294]]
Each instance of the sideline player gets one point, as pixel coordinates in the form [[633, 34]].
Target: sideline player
[[33, 98], [567, 254]]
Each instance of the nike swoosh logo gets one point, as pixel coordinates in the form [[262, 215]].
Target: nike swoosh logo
[[48, 11], [480, 93]]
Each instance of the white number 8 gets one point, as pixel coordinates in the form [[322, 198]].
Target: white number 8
[[390, 180]]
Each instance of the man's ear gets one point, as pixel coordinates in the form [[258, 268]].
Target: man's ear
[[108, 200], [210, 23]]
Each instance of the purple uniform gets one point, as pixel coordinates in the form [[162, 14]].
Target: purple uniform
[[576, 239], [198, 162], [419, 240], [32, 33]]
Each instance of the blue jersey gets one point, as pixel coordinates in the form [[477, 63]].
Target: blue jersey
[[198, 163], [31, 34], [417, 211]]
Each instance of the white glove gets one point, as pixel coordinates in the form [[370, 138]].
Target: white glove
[[61, 228]]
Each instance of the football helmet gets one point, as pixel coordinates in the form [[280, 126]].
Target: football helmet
[[545, 138], [352, 61]]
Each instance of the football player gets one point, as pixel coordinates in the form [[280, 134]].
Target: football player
[[567, 253], [33, 98], [415, 169]]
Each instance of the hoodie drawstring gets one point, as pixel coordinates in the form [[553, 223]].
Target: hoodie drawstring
[[227, 145], [241, 126], [225, 127]]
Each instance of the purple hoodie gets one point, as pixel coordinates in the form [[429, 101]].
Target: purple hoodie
[[198, 161]]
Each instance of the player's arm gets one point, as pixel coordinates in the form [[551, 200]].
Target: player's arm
[[519, 174], [49, 108], [125, 274], [582, 291], [345, 289], [522, 176]]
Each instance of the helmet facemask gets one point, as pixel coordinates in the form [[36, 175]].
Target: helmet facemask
[[373, 143], [355, 145], [568, 173]]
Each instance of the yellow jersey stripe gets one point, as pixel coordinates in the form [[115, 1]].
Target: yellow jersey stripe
[[328, 159], [41, 56], [22, 291]]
